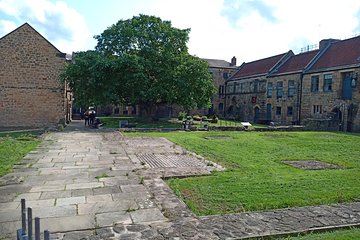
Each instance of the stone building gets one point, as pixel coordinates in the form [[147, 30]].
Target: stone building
[[330, 89], [31, 94], [220, 70], [245, 90], [318, 88], [283, 89]]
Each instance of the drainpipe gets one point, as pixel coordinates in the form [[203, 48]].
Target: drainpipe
[[225, 99], [300, 98]]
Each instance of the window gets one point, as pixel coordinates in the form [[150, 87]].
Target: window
[[241, 87], [269, 90], [235, 87], [221, 107], [117, 110], [327, 82], [291, 88], [278, 110], [230, 88], [279, 89], [256, 86], [314, 83], [317, 109], [225, 75], [289, 111], [220, 90], [238, 88]]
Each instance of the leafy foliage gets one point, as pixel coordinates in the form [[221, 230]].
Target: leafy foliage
[[142, 60]]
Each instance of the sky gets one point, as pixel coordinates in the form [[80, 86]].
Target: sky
[[220, 29]]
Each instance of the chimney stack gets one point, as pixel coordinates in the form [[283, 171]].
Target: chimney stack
[[325, 42], [233, 61]]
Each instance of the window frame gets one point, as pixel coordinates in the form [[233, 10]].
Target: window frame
[[315, 80], [327, 87], [291, 88], [279, 89], [278, 111], [269, 90], [290, 113]]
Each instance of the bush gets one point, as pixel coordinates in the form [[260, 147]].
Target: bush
[[214, 119], [196, 118], [204, 118], [182, 116]]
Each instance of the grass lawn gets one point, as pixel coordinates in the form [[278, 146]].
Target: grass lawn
[[256, 179], [349, 234], [113, 122], [13, 147]]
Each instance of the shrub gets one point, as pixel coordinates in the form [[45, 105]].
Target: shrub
[[182, 116], [214, 119], [196, 118], [204, 118]]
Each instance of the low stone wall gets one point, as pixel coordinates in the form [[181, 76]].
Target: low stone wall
[[312, 124]]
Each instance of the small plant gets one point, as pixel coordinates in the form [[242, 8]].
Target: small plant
[[103, 175], [181, 116], [214, 119], [142, 163], [127, 174], [142, 180], [130, 209]]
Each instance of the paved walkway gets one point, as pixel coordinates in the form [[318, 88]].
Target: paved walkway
[[94, 184]]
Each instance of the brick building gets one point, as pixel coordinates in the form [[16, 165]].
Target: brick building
[[31, 94]]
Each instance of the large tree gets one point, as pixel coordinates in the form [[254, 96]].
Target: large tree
[[142, 60]]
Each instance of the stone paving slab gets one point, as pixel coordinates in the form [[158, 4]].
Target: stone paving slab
[[61, 181], [71, 223], [147, 215], [102, 207], [109, 219]]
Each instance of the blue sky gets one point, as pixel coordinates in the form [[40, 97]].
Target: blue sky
[[220, 29]]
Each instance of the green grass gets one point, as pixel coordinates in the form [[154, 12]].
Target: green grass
[[256, 179], [113, 122], [13, 147], [349, 234]]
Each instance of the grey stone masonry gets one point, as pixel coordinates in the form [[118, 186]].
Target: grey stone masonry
[[94, 184]]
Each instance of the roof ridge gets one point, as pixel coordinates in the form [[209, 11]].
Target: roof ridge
[[27, 24]]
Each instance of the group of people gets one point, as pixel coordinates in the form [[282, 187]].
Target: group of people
[[90, 118]]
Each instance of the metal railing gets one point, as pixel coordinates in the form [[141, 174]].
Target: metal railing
[[26, 230]]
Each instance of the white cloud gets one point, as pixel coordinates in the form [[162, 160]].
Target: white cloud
[[247, 29], [62, 25], [6, 26], [267, 27]]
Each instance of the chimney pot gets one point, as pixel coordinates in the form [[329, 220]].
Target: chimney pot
[[233, 61]]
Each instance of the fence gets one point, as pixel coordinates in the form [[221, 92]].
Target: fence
[[26, 231]]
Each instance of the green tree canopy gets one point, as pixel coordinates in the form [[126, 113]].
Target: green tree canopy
[[142, 60]]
